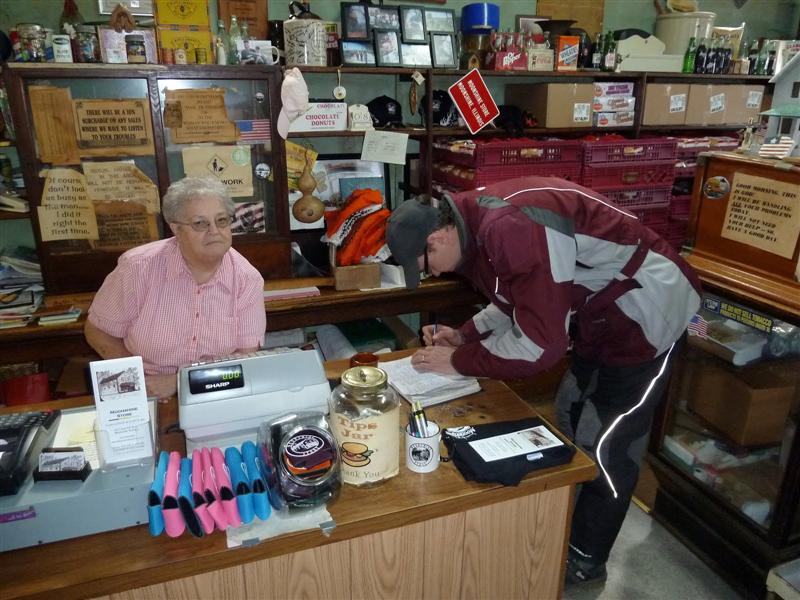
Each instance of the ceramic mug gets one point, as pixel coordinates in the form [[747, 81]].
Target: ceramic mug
[[305, 42], [268, 52]]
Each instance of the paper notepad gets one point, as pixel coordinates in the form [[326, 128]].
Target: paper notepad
[[427, 388]]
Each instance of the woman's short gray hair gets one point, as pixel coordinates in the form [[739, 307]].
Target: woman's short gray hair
[[189, 188]]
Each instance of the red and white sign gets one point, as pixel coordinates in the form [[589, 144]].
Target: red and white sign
[[473, 101]]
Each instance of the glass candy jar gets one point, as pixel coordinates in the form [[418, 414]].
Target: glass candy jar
[[87, 47], [365, 417]]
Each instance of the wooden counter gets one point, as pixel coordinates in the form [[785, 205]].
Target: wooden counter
[[36, 342], [415, 536]]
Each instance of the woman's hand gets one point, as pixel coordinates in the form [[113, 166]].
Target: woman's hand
[[161, 386], [444, 336], [435, 359]]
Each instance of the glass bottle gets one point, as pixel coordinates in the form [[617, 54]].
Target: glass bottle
[[771, 55], [761, 61], [365, 419], [585, 52], [610, 59], [235, 40], [70, 15], [752, 56], [711, 58], [597, 51], [547, 40], [688, 57], [223, 43], [701, 56], [727, 55]]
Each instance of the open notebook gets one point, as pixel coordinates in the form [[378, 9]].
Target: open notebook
[[428, 388]]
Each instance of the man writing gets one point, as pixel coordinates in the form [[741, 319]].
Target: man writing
[[559, 264]]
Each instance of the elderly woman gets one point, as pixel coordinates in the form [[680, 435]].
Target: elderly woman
[[183, 299]]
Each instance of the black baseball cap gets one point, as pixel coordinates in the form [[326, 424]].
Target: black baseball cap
[[385, 111], [407, 232]]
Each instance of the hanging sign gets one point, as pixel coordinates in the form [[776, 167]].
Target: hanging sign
[[113, 127], [473, 101]]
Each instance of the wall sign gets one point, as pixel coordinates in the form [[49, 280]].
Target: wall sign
[[106, 126], [473, 101]]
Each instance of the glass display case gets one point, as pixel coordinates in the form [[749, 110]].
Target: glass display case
[[100, 145], [725, 449]]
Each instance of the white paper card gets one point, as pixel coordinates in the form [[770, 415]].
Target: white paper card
[[716, 103], [508, 445], [581, 112], [754, 99], [677, 103], [385, 147]]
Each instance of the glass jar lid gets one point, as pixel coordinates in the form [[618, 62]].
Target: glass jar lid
[[29, 29], [364, 379], [134, 37]]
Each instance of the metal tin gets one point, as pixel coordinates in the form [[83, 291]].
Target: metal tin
[[201, 55], [167, 56], [365, 418], [180, 56], [135, 49]]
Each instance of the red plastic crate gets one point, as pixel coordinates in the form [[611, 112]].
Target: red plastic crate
[[680, 206], [628, 151], [677, 227], [511, 152], [657, 216], [601, 177], [647, 198], [469, 179]]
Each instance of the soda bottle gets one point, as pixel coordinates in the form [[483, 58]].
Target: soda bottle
[[711, 57], [688, 58], [701, 56], [597, 51], [223, 45], [235, 37], [727, 55], [610, 56], [761, 61], [771, 55], [752, 56]]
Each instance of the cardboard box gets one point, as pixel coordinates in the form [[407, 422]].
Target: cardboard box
[[322, 116], [540, 59], [567, 53], [354, 277], [749, 405], [182, 12], [613, 104], [744, 103], [613, 119], [613, 88], [554, 104], [707, 104], [665, 103], [188, 38]]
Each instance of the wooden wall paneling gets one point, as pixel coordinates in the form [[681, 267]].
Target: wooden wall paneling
[[385, 562], [223, 584], [319, 573], [443, 556], [547, 512], [151, 592], [589, 13]]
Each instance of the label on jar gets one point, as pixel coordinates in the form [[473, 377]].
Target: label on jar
[[62, 50], [370, 447]]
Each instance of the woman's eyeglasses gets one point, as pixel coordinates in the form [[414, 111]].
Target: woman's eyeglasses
[[203, 225]]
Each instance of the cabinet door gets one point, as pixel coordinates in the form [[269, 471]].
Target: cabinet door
[[733, 415]]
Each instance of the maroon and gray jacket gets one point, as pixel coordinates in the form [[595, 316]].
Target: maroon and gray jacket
[[546, 252]]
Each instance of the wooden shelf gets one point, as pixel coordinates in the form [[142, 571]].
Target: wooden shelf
[[460, 131], [412, 131], [7, 215], [726, 127]]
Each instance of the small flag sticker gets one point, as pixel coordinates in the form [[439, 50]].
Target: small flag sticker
[[254, 130]]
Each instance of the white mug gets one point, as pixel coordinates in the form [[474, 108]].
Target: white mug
[[268, 52]]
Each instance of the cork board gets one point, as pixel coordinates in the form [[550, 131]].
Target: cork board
[[589, 13]]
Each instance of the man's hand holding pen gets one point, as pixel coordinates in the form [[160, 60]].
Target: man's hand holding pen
[[441, 335]]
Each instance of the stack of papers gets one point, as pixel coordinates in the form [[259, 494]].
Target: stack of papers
[[427, 388], [13, 203], [59, 317], [21, 288]]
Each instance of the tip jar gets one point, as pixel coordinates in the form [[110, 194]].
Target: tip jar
[[365, 418]]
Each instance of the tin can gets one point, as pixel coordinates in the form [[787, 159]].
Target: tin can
[[180, 56], [191, 56], [167, 56], [365, 418], [62, 48], [202, 56]]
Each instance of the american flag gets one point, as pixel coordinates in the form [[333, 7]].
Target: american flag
[[254, 131], [698, 326], [776, 147]]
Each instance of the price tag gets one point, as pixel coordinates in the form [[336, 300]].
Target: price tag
[[418, 78], [754, 99], [677, 103], [581, 112], [716, 103]]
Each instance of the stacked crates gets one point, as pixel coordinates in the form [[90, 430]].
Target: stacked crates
[[467, 164], [637, 175]]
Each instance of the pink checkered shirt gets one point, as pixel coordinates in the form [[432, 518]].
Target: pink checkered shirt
[[152, 303]]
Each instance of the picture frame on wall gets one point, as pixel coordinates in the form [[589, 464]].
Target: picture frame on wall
[[440, 20], [387, 48], [384, 17], [416, 55], [412, 23], [355, 21], [357, 53], [443, 51]]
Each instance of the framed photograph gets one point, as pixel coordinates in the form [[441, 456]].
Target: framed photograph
[[387, 48], [440, 20], [525, 23], [355, 53], [443, 49], [355, 21], [412, 22], [416, 55], [384, 17]]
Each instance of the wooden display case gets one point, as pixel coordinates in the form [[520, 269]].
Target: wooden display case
[[725, 449]]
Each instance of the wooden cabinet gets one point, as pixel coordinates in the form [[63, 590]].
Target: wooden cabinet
[[726, 452], [48, 101]]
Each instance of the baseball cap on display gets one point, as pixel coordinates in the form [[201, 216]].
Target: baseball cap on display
[[407, 232], [444, 112], [294, 99], [385, 112]]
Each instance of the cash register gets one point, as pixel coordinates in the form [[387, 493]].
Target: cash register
[[222, 402]]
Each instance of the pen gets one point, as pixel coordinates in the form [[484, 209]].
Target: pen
[[433, 334]]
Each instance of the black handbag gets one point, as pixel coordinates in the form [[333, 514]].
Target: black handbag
[[510, 470]]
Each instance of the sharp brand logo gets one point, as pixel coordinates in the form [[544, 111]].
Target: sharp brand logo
[[510, 58], [304, 445], [218, 385]]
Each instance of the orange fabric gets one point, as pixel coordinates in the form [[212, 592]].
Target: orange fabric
[[358, 200], [366, 238]]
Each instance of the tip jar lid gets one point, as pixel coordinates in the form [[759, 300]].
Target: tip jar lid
[[364, 378]]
